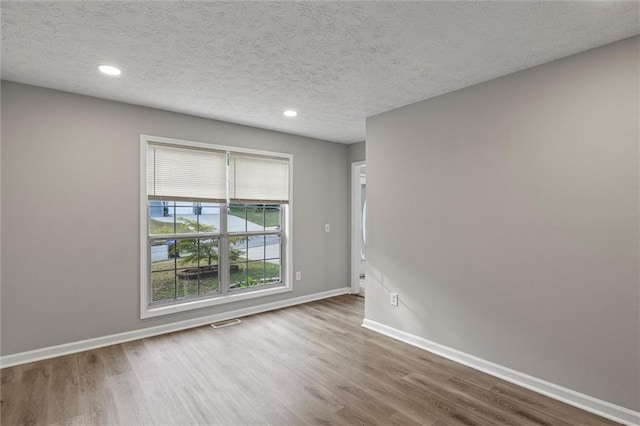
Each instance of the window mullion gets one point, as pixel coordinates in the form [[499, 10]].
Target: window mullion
[[183, 236], [223, 251]]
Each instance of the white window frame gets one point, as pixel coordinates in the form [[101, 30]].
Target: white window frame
[[148, 310]]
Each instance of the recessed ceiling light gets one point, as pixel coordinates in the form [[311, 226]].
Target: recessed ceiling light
[[290, 113], [109, 70]]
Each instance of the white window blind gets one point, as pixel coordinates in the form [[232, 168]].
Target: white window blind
[[255, 178], [187, 173]]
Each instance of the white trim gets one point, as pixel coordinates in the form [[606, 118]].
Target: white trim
[[206, 145], [356, 221], [585, 402], [156, 311], [149, 311], [113, 339], [144, 249]]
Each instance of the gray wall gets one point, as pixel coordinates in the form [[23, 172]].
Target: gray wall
[[514, 229], [357, 152], [70, 215]]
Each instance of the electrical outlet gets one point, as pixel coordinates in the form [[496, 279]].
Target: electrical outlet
[[327, 227], [394, 299], [298, 276]]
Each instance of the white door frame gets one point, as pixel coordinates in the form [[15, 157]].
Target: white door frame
[[356, 224]]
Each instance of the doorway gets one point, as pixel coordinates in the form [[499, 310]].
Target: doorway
[[358, 227]]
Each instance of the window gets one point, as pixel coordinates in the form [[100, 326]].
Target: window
[[215, 224]]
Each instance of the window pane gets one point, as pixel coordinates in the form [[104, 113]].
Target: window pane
[[208, 253], [183, 268], [237, 218], [272, 258], [162, 255], [162, 286], [197, 281], [237, 275], [255, 273], [163, 270], [272, 271], [248, 274], [273, 249], [186, 219], [161, 217], [237, 249], [209, 280], [208, 216], [255, 247], [183, 217], [273, 216], [254, 217], [255, 261], [186, 283]]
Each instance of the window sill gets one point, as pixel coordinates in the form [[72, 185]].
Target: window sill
[[156, 311]]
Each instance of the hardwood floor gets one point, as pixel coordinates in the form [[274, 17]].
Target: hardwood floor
[[308, 364]]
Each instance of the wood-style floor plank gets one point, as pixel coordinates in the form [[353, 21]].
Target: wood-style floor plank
[[310, 364]]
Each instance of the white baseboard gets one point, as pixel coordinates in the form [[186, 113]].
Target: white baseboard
[[98, 342], [585, 402]]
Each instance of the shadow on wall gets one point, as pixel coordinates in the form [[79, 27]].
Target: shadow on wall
[[380, 289], [415, 314]]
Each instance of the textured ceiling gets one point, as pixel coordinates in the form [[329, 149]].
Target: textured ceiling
[[334, 62]]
